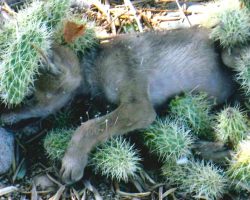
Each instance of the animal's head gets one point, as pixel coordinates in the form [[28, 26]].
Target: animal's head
[[54, 88]]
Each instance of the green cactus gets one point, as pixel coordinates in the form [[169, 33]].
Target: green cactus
[[231, 126], [80, 44], [23, 42], [204, 180], [20, 62], [196, 178], [50, 12], [174, 173], [6, 35], [234, 29], [243, 70], [116, 159], [194, 111], [239, 170], [56, 143], [168, 139]]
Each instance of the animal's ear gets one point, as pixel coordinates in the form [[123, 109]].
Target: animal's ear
[[230, 56], [72, 31]]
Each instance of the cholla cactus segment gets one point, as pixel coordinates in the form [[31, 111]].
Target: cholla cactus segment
[[86, 41], [56, 142], [234, 28], [204, 180], [173, 173], [7, 34], [239, 170], [116, 159], [170, 140], [231, 126], [20, 62], [193, 110], [243, 70], [50, 12]]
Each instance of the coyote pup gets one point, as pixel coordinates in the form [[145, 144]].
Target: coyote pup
[[137, 72]]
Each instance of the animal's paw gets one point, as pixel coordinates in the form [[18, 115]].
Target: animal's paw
[[73, 166]]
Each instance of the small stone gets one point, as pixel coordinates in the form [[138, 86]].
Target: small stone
[[44, 183], [6, 150]]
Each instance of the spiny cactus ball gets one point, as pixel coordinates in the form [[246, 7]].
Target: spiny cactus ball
[[204, 180], [20, 62], [243, 71], [239, 170], [82, 42], [173, 173], [231, 126], [116, 159], [233, 29], [193, 110], [168, 139], [56, 143]]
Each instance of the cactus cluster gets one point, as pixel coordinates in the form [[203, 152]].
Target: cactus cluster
[[168, 139], [233, 29], [20, 62], [243, 70], [239, 170], [204, 180], [194, 110], [173, 173], [196, 178], [231, 126], [24, 41], [27, 38], [49, 12], [56, 142], [116, 159]]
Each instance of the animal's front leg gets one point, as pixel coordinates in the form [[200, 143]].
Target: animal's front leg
[[127, 117]]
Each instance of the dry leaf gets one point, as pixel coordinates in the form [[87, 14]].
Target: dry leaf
[[72, 31]]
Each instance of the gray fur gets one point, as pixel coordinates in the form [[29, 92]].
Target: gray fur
[[137, 72]]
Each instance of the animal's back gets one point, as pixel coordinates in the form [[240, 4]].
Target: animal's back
[[171, 62]]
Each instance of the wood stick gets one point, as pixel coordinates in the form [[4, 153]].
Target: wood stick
[[132, 8]]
